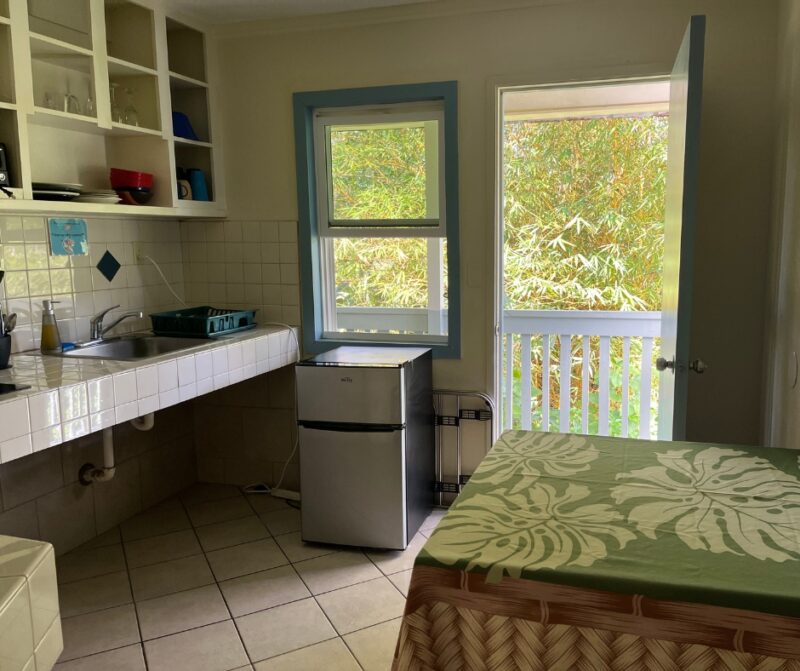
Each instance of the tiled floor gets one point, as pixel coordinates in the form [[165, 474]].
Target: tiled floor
[[216, 581]]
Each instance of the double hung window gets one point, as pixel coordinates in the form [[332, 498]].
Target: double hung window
[[381, 216]]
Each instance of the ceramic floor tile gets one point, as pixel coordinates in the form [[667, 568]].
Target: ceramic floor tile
[[233, 532], [161, 520], [374, 647], [432, 521], [247, 558], [86, 596], [216, 647], [297, 550], [394, 561], [337, 570], [362, 605], [82, 564], [110, 537], [262, 590], [170, 577], [181, 611], [211, 512], [282, 521], [129, 658], [166, 547], [331, 655], [100, 631], [208, 491], [264, 503], [285, 628], [402, 580]]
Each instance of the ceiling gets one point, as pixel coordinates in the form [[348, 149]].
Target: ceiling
[[233, 11]]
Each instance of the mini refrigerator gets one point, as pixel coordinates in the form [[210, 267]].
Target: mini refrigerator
[[366, 429]]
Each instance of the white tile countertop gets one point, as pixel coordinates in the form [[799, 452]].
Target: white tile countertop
[[71, 397]]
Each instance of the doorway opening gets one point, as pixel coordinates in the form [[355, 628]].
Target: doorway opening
[[583, 179]]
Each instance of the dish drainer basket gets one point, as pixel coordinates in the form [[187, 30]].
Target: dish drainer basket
[[202, 322]]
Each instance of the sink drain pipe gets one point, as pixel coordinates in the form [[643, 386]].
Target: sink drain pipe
[[145, 422], [89, 473]]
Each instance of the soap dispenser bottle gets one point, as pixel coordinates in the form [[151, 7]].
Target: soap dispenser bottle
[[51, 339]]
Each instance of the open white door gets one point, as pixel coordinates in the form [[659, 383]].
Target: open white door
[[682, 183]]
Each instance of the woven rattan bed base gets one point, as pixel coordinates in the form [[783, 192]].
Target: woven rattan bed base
[[444, 637]]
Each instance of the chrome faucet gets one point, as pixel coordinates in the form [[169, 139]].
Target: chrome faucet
[[96, 328]]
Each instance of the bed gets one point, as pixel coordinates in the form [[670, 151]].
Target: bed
[[580, 552]]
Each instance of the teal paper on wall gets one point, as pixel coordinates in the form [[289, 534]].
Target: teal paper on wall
[[68, 237]]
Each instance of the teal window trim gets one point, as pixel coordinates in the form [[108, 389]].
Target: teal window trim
[[310, 279]]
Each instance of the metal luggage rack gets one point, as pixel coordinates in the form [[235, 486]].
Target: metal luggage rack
[[441, 487]]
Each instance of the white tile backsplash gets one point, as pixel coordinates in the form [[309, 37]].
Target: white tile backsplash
[[32, 275]]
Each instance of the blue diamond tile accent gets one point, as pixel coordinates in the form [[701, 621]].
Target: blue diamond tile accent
[[108, 266]]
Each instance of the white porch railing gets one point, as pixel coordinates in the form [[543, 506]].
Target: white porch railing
[[576, 397], [590, 338]]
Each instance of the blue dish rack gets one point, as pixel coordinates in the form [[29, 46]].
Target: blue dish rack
[[202, 322]]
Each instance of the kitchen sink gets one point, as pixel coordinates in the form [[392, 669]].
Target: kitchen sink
[[133, 348]]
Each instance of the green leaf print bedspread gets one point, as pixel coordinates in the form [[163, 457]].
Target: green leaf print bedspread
[[712, 524]]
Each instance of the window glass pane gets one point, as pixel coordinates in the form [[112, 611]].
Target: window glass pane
[[384, 172], [383, 285]]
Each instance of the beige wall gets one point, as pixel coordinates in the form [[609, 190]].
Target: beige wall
[[534, 42], [783, 403]]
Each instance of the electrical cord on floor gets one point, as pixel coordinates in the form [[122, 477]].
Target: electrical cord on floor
[[260, 487], [163, 277]]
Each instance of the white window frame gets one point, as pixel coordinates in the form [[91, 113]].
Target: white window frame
[[435, 223], [432, 227]]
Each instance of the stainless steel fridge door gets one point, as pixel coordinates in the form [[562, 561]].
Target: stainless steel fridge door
[[355, 395], [353, 487]]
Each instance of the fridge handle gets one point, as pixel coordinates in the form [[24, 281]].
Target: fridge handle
[[350, 427]]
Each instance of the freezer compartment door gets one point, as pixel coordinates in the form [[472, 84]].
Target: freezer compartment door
[[354, 395], [353, 488]]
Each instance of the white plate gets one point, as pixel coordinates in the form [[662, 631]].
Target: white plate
[[102, 200]]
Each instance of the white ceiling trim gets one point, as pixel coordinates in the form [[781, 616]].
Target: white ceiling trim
[[378, 15]]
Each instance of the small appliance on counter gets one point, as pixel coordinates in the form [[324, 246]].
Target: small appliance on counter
[[366, 429]]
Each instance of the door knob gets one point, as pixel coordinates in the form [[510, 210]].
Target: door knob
[[698, 366], [662, 364]]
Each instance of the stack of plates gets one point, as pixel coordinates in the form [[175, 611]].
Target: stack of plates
[[102, 197], [55, 191]]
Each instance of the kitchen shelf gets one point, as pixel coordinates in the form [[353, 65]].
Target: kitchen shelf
[[141, 91], [208, 211], [187, 51], [7, 93], [118, 67], [66, 21], [45, 47], [124, 129], [93, 50], [130, 34], [44, 116], [177, 81], [191, 143], [9, 136]]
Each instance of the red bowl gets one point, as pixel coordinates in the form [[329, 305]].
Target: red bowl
[[124, 179]]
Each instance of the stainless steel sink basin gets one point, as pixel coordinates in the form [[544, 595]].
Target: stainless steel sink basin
[[133, 348]]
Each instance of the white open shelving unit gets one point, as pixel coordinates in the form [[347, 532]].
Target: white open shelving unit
[[126, 66]]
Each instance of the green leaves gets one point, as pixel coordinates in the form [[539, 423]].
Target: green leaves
[[583, 213]]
